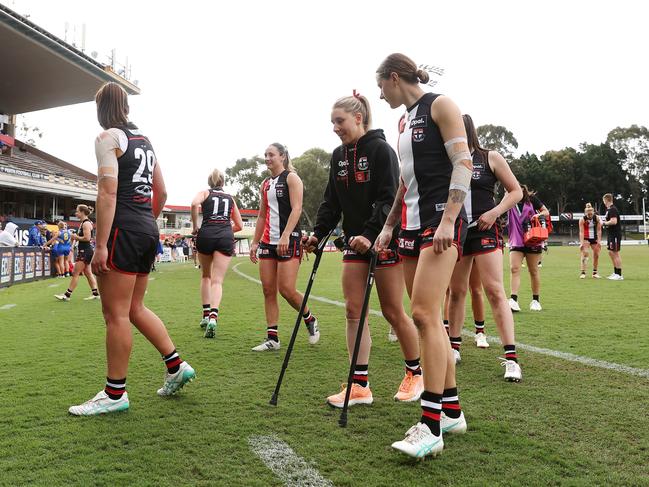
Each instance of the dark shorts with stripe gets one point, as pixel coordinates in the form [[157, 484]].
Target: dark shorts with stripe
[[412, 242], [210, 240], [131, 252], [527, 250], [387, 258], [592, 241], [614, 243], [85, 255], [482, 241], [269, 251]]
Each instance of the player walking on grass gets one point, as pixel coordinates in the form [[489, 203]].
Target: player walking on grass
[[130, 196], [363, 179], [84, 256], [520, 218], [590, 236], [215, 244], [277, 244], [614, 236], [483, 250], [436, 173]]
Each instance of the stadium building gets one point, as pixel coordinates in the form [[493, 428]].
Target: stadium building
[[40, 71]]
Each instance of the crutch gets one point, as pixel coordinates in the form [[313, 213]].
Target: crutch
[[359, 334], [318, 255]]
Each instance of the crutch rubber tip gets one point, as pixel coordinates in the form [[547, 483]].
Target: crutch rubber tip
[[343, 421], [273, 400]]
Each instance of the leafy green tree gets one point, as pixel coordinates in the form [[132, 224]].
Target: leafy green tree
[[313, 169], [499, 139], [246, 176], [633, 143]]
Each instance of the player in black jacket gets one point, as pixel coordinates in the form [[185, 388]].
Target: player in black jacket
[[130, 196], [363, 179], [214, 243]]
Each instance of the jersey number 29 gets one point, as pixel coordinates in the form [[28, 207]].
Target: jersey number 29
[[147, 161]]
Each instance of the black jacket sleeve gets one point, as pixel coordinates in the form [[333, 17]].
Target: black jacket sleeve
[[385, 175], [329, 211]]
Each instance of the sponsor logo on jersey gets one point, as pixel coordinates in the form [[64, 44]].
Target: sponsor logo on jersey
[[342, 163], [144, 190], [264, 251], [406, 243], [477, 170], [349, 252], [418, 135], [420, 121], [362, 176], [363, 165], [440, 206]]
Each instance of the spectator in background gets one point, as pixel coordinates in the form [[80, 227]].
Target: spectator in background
[[7, 238], [36, 238]]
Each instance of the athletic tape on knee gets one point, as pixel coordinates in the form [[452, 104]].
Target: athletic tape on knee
[[105, 146], [460, 156]]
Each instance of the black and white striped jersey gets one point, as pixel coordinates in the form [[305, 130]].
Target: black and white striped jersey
[[425, 167], [278, 208]]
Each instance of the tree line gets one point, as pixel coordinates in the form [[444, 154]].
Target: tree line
[[565, 180]]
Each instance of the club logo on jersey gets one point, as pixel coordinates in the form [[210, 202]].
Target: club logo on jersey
[[144, 190], [406, 243], [363, 165], [420, 121], [279, 190], [440, 206], [418, 135], [362, 176]]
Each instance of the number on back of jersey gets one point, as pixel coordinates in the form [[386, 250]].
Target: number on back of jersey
[[144, 173], [221, 208]]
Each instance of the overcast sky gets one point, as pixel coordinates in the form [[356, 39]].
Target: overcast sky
[[222, 80]]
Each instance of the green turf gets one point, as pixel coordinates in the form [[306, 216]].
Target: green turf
[[566, 424]]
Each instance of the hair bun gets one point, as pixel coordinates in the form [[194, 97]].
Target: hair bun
[[423, 76]]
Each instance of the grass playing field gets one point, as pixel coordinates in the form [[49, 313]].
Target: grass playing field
[[566, 424]]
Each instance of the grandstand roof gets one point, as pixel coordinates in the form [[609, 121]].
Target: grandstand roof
[[41, 71], [35, 170]]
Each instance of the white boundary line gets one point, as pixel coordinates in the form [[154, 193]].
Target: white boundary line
[[7, 306], [292, 469], [602, 364]]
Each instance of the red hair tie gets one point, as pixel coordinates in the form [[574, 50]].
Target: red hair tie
[[356, 94]]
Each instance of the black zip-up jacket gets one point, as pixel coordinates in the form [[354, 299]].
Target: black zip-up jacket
[[363, 181]]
